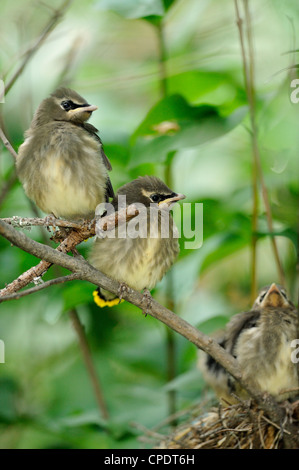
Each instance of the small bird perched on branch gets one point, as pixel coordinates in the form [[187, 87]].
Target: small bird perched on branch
[[144, 248], [62, 164], [260, 340]]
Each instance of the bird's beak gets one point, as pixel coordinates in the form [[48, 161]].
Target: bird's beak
[[274, 298], [166, 203], [88, 108]]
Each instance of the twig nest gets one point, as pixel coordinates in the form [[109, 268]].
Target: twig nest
[[240, 426]]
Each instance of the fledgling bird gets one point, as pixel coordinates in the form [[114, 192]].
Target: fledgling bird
[[260, 340], [62, 164], [140, 259]]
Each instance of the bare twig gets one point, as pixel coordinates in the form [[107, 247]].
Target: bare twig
[[55, 18], [89, 362], [39, 287], [22, 222], [111, 221], [8, 145], [257, 171], [79, 233]]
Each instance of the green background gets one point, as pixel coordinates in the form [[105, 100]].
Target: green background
[[109, 51]]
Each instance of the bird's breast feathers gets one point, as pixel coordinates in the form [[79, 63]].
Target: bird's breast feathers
[[65, 169], [141, 263]]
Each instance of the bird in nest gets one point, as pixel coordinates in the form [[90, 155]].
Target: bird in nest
[[261, 341]]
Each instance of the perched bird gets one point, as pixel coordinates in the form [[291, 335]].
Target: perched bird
[[260, 340], [140, 259], [62, 164]]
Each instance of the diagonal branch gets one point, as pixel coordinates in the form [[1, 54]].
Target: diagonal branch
[[88, 273], [39, 287], [55, 18], [8, 145]]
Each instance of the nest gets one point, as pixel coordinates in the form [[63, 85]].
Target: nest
[[240, 426]]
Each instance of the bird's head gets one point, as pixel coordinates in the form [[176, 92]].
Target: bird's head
[[273, 296], [149, 190], [63, 104]]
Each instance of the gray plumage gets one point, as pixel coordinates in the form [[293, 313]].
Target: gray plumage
[[140, 262], [260, 340], [62, 164]]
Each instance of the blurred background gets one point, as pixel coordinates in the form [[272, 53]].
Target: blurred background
[[144, 63]]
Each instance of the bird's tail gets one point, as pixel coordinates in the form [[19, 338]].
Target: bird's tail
[[104, 298]]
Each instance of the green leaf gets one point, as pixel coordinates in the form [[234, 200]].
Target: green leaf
[[200, 86], [173, 124], [133, 9]]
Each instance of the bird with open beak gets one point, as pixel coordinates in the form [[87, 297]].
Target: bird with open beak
[[140, 260], [62, 164], [260, 340]]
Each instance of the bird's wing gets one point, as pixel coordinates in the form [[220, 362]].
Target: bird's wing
[[239, 323], [93, 130]]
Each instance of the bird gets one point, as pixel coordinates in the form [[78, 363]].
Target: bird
[[139, 260], [260, 340], [61, 163]]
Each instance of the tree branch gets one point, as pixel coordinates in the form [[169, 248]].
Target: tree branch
[[248, 70], [8, 145], [86, 353], [80, 233], [39, 287], [55, 18], [88, 273]]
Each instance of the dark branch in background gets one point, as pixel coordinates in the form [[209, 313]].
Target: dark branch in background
[[170, 337], [8, 145], [88, 273], [79, 328], [52, 23], [248, 69]]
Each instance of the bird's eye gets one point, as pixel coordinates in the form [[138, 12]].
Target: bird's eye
[[155, 197], [67, 105], [262, 296], [283, 293]]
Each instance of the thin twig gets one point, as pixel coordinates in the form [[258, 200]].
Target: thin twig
[[249, 86], [87, 229], [39, 287], [78, 327], [170, 338], [55, 18], [21, 222], [8, 145]]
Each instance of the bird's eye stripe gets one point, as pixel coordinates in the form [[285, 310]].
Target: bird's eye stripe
[[162, 197], [69, 104], [262, 296]]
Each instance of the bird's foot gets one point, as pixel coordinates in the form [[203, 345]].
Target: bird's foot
[[147, 299], [123, 289], [60, 235], [50, 221]]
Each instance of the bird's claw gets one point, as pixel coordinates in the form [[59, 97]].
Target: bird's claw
[[123, 289], [50, 221], [147, 298]]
